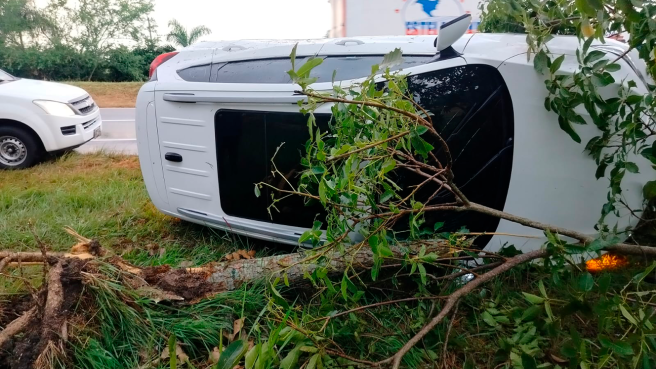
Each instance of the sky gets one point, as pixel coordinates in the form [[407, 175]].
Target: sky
[[248, 19]]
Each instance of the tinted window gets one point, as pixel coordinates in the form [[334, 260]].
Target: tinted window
[[352, 67], [275, 70], [255, 71], [246, 142], [470, 107], [472, 110], [199, 73]]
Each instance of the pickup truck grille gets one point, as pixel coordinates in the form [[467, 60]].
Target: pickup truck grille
[[84, 106], [87, 125], [68, 130]]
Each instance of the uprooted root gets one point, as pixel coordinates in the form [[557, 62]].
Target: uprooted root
[[44, 325]]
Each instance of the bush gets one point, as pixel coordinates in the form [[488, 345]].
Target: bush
[[62, 63]]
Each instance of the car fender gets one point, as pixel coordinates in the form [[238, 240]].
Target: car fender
[[30, 119]]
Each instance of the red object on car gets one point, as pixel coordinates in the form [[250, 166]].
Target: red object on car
[[159, 61]]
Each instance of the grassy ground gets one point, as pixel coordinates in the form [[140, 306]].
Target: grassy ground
[[111, 94], [101, 196]]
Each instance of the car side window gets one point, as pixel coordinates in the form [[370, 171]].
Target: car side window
[[352, 67], [199, 73], [275, 70]]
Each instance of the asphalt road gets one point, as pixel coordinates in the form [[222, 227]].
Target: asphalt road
[[118, 133]]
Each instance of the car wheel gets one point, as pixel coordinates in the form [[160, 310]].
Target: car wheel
[[18, 148]]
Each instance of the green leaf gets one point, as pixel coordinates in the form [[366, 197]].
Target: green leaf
[[555, 65], [631, 167], [318, 170], [373, 242], [310, 64], [596, 4], [628, 315], [547, 308], [305, 236], [344, 286], [567, 127], [386, 196], [489, 319], [540, 62], [322, 192], [232, 355], [533, 299], [528, 361], [627, 8], [420, 130], [604, 283], [314, 360], [422, 273], [392, 59], [437, 226], [649, 191], [290, 361], [612, 67], [586, 282], [531, 313], [257, 191], [601, 80], [420, 145], [620, 348], [251, 356], [292, 56], [277, 297], [638, 278], [594, 56], [585, 7], [601, 170], [543, 290], [388, 165], [173, 355]]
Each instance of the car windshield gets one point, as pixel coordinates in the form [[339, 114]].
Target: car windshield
[[4, 76]]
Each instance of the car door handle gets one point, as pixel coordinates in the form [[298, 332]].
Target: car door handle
[[172, 156], [245, 98]]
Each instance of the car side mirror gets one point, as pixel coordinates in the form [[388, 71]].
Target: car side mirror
[[451, 31]]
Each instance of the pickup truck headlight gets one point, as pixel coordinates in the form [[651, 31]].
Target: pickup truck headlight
[[55, 108]]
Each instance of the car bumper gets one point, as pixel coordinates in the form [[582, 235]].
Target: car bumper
[[70, 132]]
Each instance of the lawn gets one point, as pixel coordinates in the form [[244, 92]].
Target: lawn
[[101, 196], [111, 94]]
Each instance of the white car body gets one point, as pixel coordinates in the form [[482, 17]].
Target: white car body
[[552, 180], [55, 132]]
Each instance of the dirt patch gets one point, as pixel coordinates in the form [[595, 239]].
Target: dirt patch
[[111, 94], [127, 163], [189, 286], [13, 308], [44, 331]]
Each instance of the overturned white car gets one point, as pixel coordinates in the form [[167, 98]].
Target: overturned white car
[[214, 114]]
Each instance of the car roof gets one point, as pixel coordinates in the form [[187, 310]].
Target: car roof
[[493, 45]]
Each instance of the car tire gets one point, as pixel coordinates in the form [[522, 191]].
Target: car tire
[[19, 148]]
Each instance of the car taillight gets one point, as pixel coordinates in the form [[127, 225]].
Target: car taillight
[[159, 61]]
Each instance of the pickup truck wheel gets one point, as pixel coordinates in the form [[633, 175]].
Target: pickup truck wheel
[[18, 148]]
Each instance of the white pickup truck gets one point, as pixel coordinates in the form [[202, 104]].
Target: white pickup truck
[[38, 117]]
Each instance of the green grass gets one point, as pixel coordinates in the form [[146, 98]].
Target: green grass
[[102, 196]]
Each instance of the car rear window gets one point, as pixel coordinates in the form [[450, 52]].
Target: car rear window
[[275, 70]]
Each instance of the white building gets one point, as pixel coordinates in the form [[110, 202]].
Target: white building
[[397, 17]]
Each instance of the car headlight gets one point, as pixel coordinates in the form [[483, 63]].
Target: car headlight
[[55, 108]]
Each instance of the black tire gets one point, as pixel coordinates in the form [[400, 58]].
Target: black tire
[[19, 148]]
